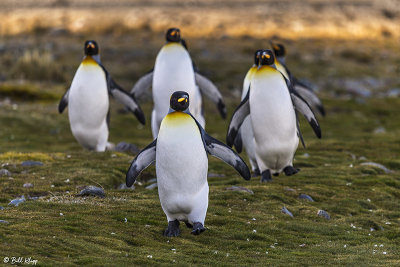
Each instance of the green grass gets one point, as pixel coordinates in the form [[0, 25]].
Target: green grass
[[93, 231], [362, 196]]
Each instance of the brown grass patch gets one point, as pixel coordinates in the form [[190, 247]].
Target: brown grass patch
[[287, 19]]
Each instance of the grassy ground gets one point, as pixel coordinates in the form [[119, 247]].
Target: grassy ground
[[243, 229]]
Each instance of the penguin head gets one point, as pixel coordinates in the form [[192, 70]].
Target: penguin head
[[173, 35], [279, 49], [267, 57], [91, 48], [257, 55], [179, 101]]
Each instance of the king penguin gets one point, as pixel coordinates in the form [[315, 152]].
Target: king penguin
[[88, 100], [180, 152], [174, 71], [271, 105]]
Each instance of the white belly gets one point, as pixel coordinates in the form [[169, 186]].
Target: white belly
[[88, 107], [173, 71], [181, 166], [274, 122]]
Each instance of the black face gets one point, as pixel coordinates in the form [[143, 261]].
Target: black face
[[279, 50], [173, 35], [257, 55], [267, 57], [91, 48], [179, 101]]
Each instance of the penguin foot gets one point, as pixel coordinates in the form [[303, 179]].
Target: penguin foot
[[188, 225], [198, 228], [289, 170], [256, 172], [266, 176], [173, 229]]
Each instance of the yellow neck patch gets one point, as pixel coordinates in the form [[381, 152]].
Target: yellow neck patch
[[173, 45], [88, 60], [266, 70], [253, 70], [177, 117], [250, 73]]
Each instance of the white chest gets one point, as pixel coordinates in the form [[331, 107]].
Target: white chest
[[181, 160], [173, 71], [88, 97], [271, 108]]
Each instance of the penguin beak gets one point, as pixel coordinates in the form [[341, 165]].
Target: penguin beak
[[90, 45], [265, 56], [173, 33], [181, 99]]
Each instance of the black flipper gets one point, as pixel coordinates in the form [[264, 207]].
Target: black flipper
[[298, 82], [63, 102], [241, 112], [108, 118], [321, 110], [311, 98], [145, 157], [143, 84], [123, 97], [299, 131], [183, 42], [302, 106], [211, 91], [220, 150], [238, 143]]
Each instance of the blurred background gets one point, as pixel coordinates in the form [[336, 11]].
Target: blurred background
[[343, 47]]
